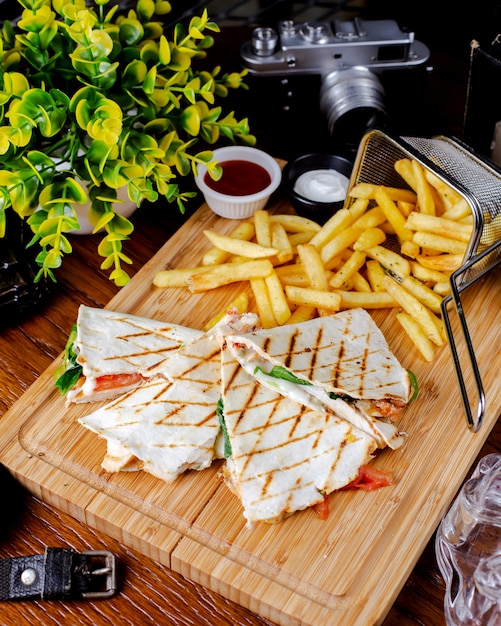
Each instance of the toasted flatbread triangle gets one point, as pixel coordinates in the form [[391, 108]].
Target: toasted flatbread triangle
[[113, 343], [168, 426], [345, 353], [285, 456]]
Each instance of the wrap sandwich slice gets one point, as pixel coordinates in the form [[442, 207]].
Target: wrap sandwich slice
[[165, 426], [339, 362], [109, 353], [169, 424], [282, 456]]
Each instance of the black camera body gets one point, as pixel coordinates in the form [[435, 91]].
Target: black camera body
[[347, 58]]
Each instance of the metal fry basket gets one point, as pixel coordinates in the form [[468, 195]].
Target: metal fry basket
[[479, 184]]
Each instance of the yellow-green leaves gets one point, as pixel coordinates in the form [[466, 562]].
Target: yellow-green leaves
[[39, 109], [68, 8], [99, 116], [190, 120], [14, 85], [90, 92], [164, 55], [131, 31]]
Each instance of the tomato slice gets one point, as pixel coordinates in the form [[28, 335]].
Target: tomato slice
[[370, 478], [113, 381], [322, 508]]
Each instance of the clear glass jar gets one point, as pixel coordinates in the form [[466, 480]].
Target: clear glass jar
[[468, 549]]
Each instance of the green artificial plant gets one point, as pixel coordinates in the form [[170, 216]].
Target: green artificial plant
[[92, 100]]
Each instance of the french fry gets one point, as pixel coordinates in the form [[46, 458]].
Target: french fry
[[438, 200], [295, 223], [294, 274], [448, 195], [370, 219], [411, 305], [443, 289], [375, 274], [263, 228], [313, 267], [426, 202], [441, 262], [216, 256], [176, 277], [369, 238], [335, 224], [406, 171], [360, 283], [314, 270], [423, 293], [405, 208], [366, 300], [296, 239], [296, 280], [291, 269], [427, 275], [228, 273], [240, 304], [439, 243], [346, 271], [280, 241], [367, 190], [239, 247], [338, 244], [313, 297], [410, 249], [435, 224], [387, 228], [417, 335], [303, 313], [278, 301], [341, 220], [393, 214], [390, 260], [358, 208], [458, 211], [263, 302]]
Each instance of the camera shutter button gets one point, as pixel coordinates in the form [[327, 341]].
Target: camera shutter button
[[314, 32], [264, 41]]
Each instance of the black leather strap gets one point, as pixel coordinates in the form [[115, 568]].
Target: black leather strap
[[59, 574]]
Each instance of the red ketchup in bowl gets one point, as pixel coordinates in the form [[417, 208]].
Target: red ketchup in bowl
[[239, 178]]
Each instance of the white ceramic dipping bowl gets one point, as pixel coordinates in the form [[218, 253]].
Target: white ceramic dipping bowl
[[236, 206]]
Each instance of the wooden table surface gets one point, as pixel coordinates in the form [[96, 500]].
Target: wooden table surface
[[149, 593]]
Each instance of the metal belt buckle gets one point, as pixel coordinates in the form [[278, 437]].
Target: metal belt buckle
[[100, 571]]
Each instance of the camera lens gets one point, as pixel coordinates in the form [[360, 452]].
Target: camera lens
[[352, 100]]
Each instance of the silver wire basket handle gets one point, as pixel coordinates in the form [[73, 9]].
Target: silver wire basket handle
[[458, 285]]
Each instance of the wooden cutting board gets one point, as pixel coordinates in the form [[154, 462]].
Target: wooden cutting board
[[346, 570]]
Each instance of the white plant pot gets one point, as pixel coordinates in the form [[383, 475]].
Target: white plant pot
[[125, 207]]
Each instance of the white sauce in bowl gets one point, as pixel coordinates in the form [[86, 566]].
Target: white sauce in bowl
[[322, 185]]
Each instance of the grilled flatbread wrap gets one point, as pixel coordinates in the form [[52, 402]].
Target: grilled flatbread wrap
[[164, 426], [341, 362], [168, 424], [285, 457], [117, 351]]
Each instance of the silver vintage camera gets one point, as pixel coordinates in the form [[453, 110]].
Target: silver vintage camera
[[348, 56]]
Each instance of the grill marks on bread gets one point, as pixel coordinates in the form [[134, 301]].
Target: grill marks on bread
[[284, 455], [169, 425], [345, 352]]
